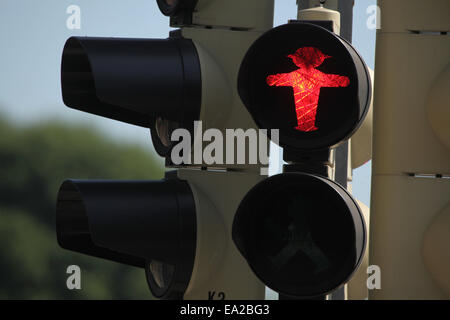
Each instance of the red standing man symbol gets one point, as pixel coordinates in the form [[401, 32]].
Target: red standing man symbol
[[306, 82]]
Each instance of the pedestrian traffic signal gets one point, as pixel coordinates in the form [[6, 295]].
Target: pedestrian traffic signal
[[303, 235], [307, 82]]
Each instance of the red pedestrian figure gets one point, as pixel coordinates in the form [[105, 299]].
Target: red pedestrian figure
[[306, 83]]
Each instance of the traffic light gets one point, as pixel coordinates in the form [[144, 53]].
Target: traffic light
[[411, 152], [198, 232], [302, 233], [178, 229]]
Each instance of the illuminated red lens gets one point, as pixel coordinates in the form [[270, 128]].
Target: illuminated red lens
[[306, 82]]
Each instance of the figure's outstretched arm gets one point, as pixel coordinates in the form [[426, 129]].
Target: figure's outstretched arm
[[279, 80], [334, 80]]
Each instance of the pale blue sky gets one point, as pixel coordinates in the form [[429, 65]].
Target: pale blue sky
[[33, 33]]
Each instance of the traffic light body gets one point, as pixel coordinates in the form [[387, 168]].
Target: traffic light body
[[410, 195]]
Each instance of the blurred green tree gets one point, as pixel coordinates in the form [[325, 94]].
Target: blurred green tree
[[33, 163]]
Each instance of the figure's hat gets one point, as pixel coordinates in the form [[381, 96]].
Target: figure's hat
[[308, 57]]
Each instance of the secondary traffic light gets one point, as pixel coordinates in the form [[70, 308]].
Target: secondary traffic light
[[301, 233], [178, 229], [410, 226], [153, 83]]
